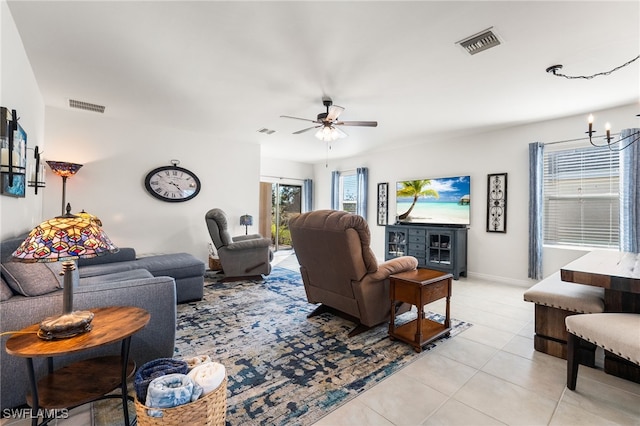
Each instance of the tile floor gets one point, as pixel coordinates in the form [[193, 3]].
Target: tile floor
[[488, 375]]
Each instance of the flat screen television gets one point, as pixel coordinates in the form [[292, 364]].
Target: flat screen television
[[441, 201]]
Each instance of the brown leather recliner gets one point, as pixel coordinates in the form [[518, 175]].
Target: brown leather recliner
[[340, 271]]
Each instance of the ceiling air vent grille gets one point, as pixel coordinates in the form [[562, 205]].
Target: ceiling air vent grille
[[267, 131], [86, 106], [479, 42]]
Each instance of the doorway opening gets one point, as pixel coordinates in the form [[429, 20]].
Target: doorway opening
[[285, 200]]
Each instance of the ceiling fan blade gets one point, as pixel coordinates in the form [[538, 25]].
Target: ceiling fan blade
[[305, 130], [334, 112], [357, 123], [298, 118]]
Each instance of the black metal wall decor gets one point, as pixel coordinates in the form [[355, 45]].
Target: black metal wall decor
[[383, 203], [36, 175], [497, 202]]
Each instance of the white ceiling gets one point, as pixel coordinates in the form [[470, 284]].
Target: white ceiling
[[231, 68]]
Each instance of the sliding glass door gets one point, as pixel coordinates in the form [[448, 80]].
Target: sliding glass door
[[285, 201]]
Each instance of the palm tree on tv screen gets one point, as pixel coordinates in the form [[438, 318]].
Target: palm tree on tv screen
[[415, 189]]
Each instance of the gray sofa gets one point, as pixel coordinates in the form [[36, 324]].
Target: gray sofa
[[112, 280]]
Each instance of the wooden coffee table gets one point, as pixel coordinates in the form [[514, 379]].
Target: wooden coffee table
[[86, 380], [418, 288]]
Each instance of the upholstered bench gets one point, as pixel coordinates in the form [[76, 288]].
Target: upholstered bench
[[554, 301], [614, 332]]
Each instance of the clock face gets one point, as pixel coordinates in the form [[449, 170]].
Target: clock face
[[172, 183]]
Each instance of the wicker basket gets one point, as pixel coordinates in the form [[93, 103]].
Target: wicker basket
[[214, 264], [210, 410]]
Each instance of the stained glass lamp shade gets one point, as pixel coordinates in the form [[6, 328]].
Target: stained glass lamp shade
[[64, 239], [89, 216]]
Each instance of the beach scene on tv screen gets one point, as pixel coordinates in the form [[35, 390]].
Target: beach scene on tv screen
[[434, 201]]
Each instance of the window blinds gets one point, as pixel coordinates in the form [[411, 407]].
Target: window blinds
[[581, 197]]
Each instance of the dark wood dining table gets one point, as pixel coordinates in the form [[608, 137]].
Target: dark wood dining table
[[619, 274]]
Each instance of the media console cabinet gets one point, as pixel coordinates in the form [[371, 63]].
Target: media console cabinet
[[443, 248]]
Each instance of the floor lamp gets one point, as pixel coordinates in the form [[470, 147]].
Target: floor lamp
[[64, 170]]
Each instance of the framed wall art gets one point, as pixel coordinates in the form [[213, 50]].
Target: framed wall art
[[15, 190], [497, 202], [383, 203], [13, 154]]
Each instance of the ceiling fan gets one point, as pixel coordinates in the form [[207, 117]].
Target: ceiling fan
[[327, 122]]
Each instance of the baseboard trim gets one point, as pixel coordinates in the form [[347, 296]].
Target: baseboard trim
[[502, 280]]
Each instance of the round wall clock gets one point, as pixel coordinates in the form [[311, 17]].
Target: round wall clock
[[172, 183]]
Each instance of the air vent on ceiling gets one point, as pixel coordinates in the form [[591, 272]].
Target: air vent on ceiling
[[478, 42], [86, 106], [267, 131]]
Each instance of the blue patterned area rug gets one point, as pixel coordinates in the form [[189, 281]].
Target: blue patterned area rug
[[284, 368]]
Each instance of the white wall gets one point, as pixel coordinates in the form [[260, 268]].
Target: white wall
[[277, 170], [117, 155], [495, 256], [19, 91]]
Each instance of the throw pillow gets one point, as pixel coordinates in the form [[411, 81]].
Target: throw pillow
[[32, 279]]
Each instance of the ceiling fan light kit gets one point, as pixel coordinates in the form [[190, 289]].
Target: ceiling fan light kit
[[330, 134], [326, 123]]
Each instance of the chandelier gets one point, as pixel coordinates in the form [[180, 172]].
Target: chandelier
[[623, 142]]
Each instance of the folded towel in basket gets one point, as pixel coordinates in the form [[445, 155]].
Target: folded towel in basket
[[154, 369], [208, 375], [197, 360], [171, 391]]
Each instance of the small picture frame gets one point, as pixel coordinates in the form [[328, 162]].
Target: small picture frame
[[383, 204], [13, 154], [497, 202]]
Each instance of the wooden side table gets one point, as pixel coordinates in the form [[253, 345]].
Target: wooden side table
[[87, 380], [419, 287]]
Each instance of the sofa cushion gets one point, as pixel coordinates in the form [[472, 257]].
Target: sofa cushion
[[110, 268], [176, 265], [123, 254], [116, 277], [33, 279], [5, 291]]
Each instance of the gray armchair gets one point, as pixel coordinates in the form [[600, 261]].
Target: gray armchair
[[241, 256]]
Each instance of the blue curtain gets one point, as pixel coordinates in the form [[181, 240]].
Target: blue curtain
[[307, 192], [630, 191], [335, 190], [536, 162], [362, 175]]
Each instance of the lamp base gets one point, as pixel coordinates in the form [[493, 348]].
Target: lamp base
[[66, 325]]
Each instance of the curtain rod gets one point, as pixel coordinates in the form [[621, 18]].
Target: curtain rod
[[281, 178], [578, 139]]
